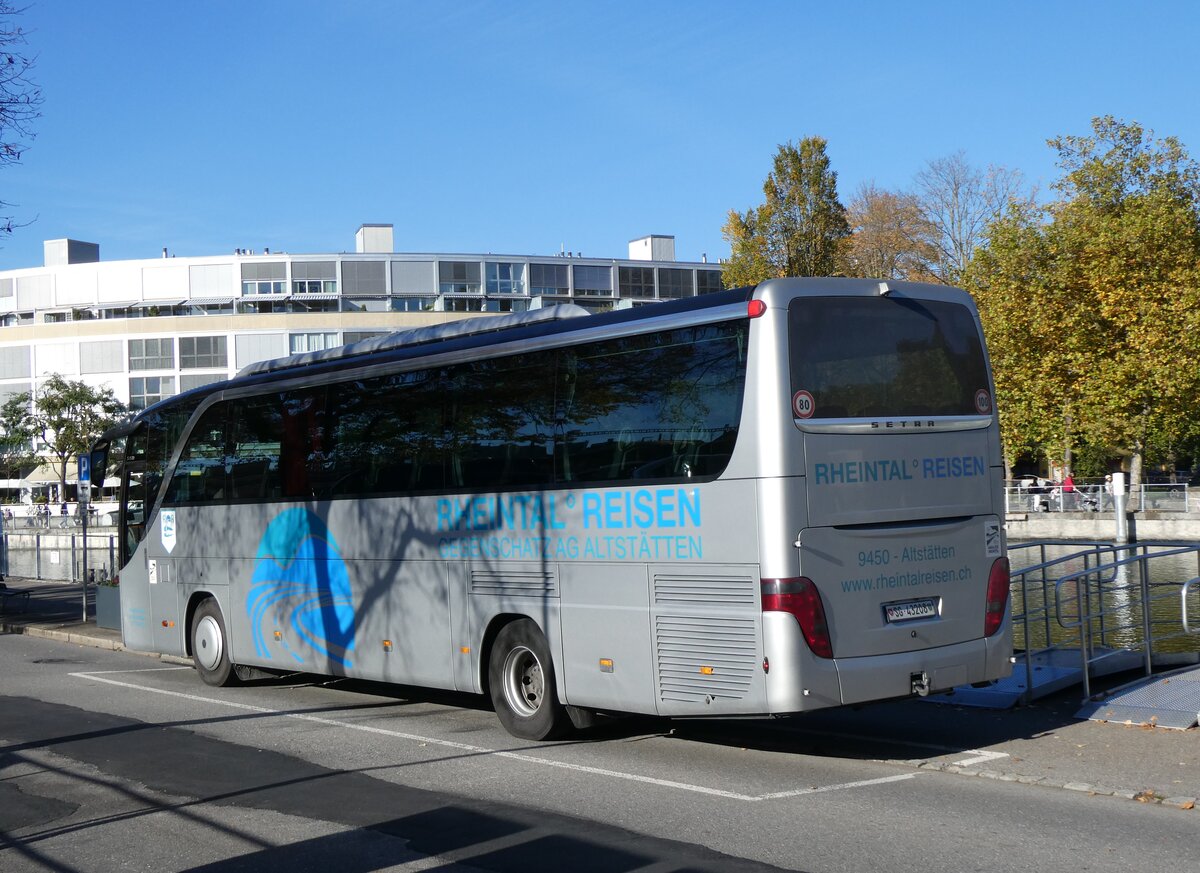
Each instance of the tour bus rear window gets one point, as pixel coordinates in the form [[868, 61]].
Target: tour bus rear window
[[885, 356]]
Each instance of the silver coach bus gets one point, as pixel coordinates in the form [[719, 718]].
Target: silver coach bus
[[755, 502]]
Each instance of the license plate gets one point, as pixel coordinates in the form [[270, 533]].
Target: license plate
[[908, 610]]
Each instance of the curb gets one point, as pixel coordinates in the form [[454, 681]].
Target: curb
[[82, 639], [1144, 795]]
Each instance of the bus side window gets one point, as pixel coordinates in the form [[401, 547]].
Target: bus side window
[[200, 474], [500, 417], [656, 406], [385, 436], [256, 427]]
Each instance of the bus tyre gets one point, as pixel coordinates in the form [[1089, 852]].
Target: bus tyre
[[210, 645], [521, 682]]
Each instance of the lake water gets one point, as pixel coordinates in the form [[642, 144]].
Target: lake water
[[1105, 595]]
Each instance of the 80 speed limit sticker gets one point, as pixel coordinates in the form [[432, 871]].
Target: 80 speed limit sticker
[[803, 404]]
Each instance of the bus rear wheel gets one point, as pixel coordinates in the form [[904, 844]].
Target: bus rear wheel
[[210, 645], [521, 682]]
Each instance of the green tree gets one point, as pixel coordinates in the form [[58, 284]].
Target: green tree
[[20, 98], [801, 227], [16, 437], [1093, 314], [1127, 234], [1009, 280], [67, 416]]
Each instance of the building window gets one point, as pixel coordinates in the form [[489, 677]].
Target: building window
[[314, 277], [708, 281], [548, 279], [313, 286], [413, 304], [519, 304], [365, 304], [458, 277], [322, 305], [357, 336], [252, 288], [262, 306], [264, 278], [147, 390], [312, 342], [505, 278], [202, 352], [592, 281], [463, 304], [673, 282], [196, 380], [152, 354], [636, 281]]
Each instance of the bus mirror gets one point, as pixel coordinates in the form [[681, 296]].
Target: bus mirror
[[99, 465]]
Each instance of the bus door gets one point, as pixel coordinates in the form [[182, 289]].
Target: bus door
[[149, 596]]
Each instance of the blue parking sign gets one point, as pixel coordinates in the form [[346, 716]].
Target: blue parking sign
[[85, 468]]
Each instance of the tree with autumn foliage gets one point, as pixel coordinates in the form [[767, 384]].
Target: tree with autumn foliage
[[889, 235], [1092, 309], [800, 228]]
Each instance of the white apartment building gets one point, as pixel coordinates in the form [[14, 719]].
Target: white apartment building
[[152, 328]]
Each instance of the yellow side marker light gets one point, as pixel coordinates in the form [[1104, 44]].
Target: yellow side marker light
[[278, 636], [606, 665], [466, 650], [707, 671], [387, 645]]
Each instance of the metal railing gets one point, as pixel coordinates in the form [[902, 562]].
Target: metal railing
[[1095, 498], [1102, 599], [57, 555]]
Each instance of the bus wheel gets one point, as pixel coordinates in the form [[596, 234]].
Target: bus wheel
[[521, 681], [210, 646]]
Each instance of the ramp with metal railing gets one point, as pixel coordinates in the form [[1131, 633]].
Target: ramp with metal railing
[[1086, 611], [1169, 700]]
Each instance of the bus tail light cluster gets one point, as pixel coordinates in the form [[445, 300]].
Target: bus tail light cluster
[[997, 597], [799, 597]]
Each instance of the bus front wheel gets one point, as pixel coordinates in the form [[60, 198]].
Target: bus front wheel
[[210, 645], [521, 682]]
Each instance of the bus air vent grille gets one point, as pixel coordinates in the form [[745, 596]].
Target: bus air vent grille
[[705, 590], [701, 658], [514, 583]]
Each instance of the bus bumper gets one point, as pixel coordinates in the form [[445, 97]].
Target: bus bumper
[[799, 681]]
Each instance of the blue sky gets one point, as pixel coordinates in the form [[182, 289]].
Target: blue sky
[[523, 127]]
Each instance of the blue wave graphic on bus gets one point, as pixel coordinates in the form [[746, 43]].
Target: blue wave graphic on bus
[[300, 579]]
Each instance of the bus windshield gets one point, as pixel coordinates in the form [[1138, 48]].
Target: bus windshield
[[903, 357]]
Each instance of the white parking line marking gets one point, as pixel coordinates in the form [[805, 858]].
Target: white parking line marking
[[863, 784], [481, 750], [981, 757]]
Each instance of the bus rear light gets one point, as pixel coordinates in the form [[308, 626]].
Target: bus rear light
[[756, 308], [997, 597], [799, 598]]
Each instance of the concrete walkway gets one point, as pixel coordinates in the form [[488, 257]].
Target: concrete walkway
[[54, 610], [1043, 744]]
